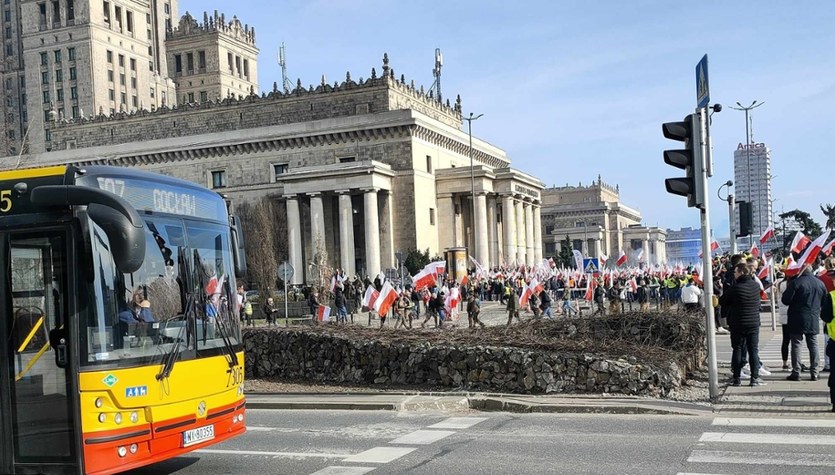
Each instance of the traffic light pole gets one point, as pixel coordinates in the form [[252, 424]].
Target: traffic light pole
[[707, 258]]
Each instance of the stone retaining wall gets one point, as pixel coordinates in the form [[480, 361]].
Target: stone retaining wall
[[330, 357]]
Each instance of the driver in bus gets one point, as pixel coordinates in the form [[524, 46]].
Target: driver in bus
[[138, 315]]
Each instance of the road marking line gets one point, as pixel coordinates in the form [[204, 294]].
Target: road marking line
[[259, 429], [380, 454], [785, 439], [458, 423], [761, 422], [694, 473], [337, 470], [423, 437], [272, 454], [762, 458]]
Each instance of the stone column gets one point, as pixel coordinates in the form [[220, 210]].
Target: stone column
[[529, 236], [372, 233], [386, 205], [537, 234], [317, 222], [346, 233], [492, 233], [645, 246], [508, 229], [597, 249], [294, 238], [520, 231], [481, 241]]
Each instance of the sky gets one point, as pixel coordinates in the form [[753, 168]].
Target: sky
[[576, 89]]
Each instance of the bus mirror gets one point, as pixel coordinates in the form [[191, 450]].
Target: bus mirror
[[127, 242], [118, 219], [238, 250]]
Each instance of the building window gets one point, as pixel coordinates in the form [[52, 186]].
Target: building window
[[279, 169], [110, 75], [46, 97], [57, 55], [190, 97], [70, 11], [190, 63], [246, 69], [133, 64], [167, 8], [59, 95], [111, 94], [204, 96], [133, 83], [118, 14], [201, 59], [152, 93], [218, 179], [110, 56], [135, 101], [178, 63], [347, 159], [75, 112], [59, 75], [9, 51], [124, 98], [230, 61], [106, 9], [73, 93], [432, 216], [428, 164], [45, 77], [44, 59], [41, 15], [7, 15], [47, 116], [72, 74], [71, 54], [130, 21], [56, 13], [48, 135], [122, 79], [8, 32], [121, 61]]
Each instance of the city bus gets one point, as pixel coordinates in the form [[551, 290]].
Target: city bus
[[121, 339]]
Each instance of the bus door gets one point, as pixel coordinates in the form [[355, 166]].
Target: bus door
[[37, 393]]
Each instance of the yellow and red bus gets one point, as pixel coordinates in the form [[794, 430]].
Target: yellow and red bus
[[120, 336]]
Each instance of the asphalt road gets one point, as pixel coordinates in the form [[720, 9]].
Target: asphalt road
[[356, 442]]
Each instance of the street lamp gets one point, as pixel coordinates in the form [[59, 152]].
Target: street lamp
[[747, 110], [470, 120], [730, 200]]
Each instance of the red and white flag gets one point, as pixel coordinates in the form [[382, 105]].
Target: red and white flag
[[799, 242], [465, 279], [387, 297], [640, 254], [423, 279], [763, 273], [621, 259], [590, 290], [714, 245], [527, 292], [811, 252], [370, 297], [755, 251], [603, 258], [323, 314], [437, 267], [452, 300], [828, 248], [768, 234]]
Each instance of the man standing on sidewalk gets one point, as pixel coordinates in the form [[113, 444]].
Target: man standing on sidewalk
[[828, 279], [743, 304], [803, 296]]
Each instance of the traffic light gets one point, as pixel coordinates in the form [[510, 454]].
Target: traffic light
[[688, 159], [746, 218]]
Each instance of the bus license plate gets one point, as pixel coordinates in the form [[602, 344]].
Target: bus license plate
[[194, 436]]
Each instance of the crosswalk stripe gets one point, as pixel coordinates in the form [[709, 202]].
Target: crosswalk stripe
[[458, 423], [784, 439], [272, 454], [763, 422], [380, 454], [337, 470], [762, 458], [423, 437]]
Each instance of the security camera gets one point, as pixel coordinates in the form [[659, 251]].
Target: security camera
[[716, 107]]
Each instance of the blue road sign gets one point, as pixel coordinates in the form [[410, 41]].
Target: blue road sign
[[591, 265], [702, 85]]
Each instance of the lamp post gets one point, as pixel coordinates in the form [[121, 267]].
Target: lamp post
[[470, 120], [747, 110], [730, 200]]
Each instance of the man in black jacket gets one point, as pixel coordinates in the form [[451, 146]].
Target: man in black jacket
[[803, 296], [742, 301]]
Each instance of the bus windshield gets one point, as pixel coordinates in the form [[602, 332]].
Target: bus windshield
[[179, 301]]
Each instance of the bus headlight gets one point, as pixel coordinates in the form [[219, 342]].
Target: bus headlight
[[117, 418], [122, 451], [102, 417], [134, 417], [133, 448], [99, 402]]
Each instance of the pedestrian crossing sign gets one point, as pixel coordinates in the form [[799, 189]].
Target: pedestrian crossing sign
[[591, 266]]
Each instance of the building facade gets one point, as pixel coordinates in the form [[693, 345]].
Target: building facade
[[684, 246], [363, 169], [752, 180], [64, 59], [597, 223]]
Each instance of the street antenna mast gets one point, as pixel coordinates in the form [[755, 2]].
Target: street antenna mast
[[436, 73], [282, 61]]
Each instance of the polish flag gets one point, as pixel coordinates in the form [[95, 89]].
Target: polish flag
[[813, 250], [465, 279], [768, 234], [755, 251], [828, 248], [621, 259], [437, 267], [551, 262], [763, 273], [370, 297], [633, 285], [323, 314], [387, 297], [640, 254], [590, 290], [799, 242], [452, 300], [603, 259], [714, 245], [423, 279], [527, 292]]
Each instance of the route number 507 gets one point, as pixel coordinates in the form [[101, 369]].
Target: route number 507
[[5, 201]]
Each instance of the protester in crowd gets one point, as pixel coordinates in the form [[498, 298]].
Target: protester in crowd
[[803, 296], [690, 296], [743, 303], [473, 309]]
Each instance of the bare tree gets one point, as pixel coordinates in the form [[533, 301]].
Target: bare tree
[[265, 240]]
